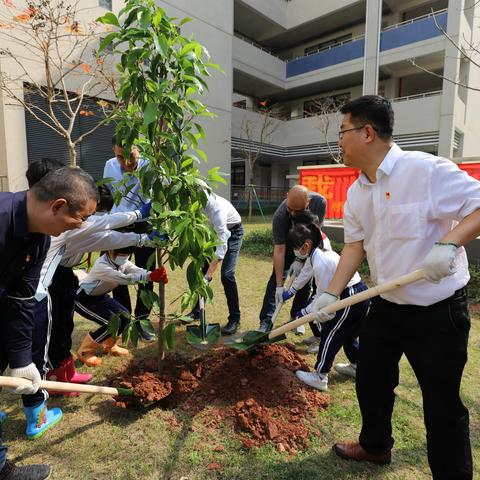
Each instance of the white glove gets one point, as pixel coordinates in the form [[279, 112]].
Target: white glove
[[439, 262], [31, 373], [295, 268], [323, 301], [278, 296]]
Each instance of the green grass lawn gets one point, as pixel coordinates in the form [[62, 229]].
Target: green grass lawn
[[97, 441]]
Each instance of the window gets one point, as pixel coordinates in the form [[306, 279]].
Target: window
[[324, 105], [237, 174], [240, 104], [329, 43], [105, 4]]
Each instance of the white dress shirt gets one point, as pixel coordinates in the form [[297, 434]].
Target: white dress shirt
[[417, 198], [222, 215], [132, 200]]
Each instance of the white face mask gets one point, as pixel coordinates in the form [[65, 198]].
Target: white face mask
[[301, 256], [120, 260]]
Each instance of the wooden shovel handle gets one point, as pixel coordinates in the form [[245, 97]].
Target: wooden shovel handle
[[288, 283], [349, 301], [13, 382]]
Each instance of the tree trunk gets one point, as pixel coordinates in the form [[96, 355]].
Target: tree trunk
[[161, 323], [72, 154], [250, 189]]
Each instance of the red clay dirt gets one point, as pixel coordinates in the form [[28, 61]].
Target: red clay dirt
[[257, 391]]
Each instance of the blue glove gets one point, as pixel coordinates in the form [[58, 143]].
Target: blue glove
[[299, 314], [154, 236], [144, 211], [287, 295]]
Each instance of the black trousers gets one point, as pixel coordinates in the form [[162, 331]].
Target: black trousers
[[434, 340], [121, 294], [62, 291]]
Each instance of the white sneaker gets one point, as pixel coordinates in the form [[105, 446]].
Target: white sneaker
[[313, 348], [314, 379], [300, 330], [349, 369], [311, 340]]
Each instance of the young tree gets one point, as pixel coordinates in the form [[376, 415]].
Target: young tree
[[257, 132], [50, 67], [162, 77]]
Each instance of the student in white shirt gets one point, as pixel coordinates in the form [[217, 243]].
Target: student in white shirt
[[111, 269], [407, 210], [343, 329]]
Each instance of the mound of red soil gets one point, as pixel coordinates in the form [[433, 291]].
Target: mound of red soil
[[258, 391]]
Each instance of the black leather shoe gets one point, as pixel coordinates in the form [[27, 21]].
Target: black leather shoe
[[231, 327], [146, 336], [27, 472]]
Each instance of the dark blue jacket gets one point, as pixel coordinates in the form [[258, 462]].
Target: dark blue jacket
[[21, 257]]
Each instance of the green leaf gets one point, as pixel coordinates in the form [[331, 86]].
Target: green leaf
[[170, 331], [145, 20], [106, 42], [133, 334], [184, 20], [150, 114], [145, 298], [202, 154], [157, 18], [109, 19], [113, 325], [161, 44], [147, 326]]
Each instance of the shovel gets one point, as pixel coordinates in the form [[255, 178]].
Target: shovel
[[203, 335], [253, 338], [12, 382]]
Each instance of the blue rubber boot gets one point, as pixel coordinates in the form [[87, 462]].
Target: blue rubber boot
[[40, 419], [3, 416]]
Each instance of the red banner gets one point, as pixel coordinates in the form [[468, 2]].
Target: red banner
[[333, 183]]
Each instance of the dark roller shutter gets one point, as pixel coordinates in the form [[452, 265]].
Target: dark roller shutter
[[92, 152]]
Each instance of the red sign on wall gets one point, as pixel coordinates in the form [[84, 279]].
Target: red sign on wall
[[333, 183]]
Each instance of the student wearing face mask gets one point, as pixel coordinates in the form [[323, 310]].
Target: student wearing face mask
[[344, 328], [111, 269]]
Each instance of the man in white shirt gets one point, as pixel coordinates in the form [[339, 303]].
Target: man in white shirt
[[115, 168], [407, 210], [227, 223]]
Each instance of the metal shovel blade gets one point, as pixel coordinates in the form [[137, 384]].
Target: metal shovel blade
[[204, 335], [252, 339]]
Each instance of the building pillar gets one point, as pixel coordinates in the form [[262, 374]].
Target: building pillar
[[451, 69], [13, 144], [371, 59]]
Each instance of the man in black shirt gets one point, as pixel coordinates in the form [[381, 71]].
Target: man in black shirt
[[61, 201], [298, 200]]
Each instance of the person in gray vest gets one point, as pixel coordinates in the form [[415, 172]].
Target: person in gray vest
[[298, 200]]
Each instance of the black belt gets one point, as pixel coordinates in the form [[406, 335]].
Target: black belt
[[234, 227], [461, 292]]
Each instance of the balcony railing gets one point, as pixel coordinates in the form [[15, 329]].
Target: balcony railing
[[416, 97], [3, 183], [394, 36], [283, 115], [255, 44]]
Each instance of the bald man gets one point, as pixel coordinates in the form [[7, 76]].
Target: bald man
[[298, 200]]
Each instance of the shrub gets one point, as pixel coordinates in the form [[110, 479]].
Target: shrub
[[258, 242]]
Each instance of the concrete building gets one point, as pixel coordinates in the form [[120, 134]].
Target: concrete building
[[305, 58]]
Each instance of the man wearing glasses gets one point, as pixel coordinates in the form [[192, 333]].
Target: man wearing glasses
[[407, 210], [298, 201]]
